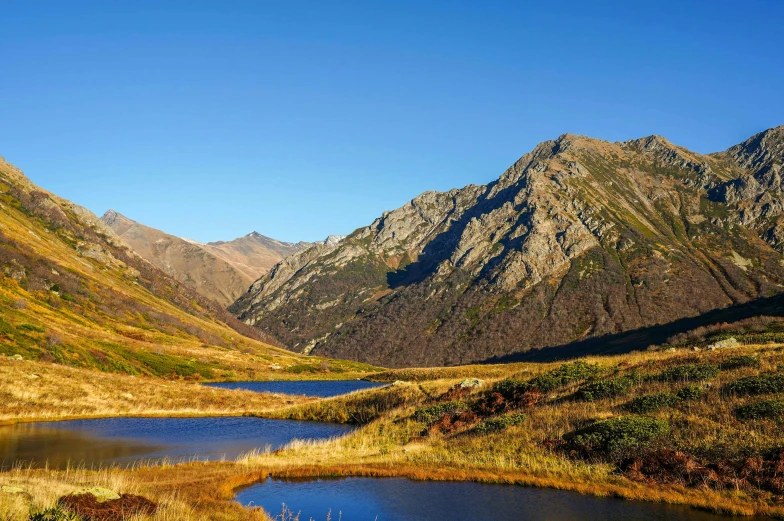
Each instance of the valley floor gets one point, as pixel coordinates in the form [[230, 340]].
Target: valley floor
[[508, 429]]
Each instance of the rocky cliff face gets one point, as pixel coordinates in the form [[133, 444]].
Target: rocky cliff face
[[578, 238], [221, 271]]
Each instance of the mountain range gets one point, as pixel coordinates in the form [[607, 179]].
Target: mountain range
[[222, 270], [72, 292], [580, 238]]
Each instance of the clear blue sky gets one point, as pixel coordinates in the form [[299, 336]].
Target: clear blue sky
[[303, 119]]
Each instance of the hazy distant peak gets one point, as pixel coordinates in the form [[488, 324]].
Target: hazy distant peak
[[113, 216]]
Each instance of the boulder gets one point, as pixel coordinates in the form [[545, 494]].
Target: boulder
[[471, 383], [724, 344], [101, 494]]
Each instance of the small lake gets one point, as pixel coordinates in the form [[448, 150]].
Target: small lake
[[320, 389], [127, 440], [395, 499]]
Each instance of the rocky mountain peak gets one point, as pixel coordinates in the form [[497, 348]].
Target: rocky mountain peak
[[333, 240], [761, 151], [579, 237]]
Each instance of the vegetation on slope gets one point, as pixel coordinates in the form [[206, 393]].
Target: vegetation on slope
[[579, 239], [709, 443], [73, 294]]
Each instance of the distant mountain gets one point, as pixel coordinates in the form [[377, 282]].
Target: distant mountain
[[579, 238], [72, 292], [221, 271]]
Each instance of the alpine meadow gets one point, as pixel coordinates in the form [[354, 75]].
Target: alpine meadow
[[594, 330]]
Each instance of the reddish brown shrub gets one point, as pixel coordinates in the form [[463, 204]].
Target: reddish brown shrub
[[667, 466], [449, 423], [89, 508]]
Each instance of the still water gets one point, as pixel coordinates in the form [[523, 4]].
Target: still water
[[400, 499], [321, 389], [127, 440]]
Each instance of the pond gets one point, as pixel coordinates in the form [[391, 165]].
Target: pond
[[320, 389], [126, 440], [394, 499]]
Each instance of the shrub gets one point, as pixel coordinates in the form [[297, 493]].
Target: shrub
[[511, 387], [564, 375], [769, 409], [754, 385], [54, 514], [431, 413], [651, 403], [690, 392], [738, 362], [617, 437], [31, 327], [654, 402], [301, 368], [688, 373], [500, 423], [607, 387], [547, 382]]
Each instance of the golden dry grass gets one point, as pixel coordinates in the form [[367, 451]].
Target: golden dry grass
[[31, 391], [390, 445]]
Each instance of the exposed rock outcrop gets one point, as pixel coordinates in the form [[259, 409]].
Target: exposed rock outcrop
[[579, 238]]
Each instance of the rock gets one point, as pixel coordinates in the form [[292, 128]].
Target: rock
[[32, 376], [15, 270], [100, 493], [724, 344], [471, 383], [276, 367], [16, 357]]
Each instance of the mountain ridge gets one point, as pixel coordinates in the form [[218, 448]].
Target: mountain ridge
[[581, 234], [73, 293], [220, 270]]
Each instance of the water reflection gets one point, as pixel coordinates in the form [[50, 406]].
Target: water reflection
[[321, 389], [128, 440], [394, 499]]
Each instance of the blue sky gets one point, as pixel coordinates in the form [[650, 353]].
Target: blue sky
[[304, 119]]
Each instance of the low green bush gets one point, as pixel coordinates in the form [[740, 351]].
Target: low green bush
[[738, 362], [768, 409], [654, 402], [30, 327], [755, 385], [302, 368], [607, 387], [617, 437], [690, 392], [431, 413], [564, 375], [54, 514], [688, 373], [500, 423], [651, 403], [509, 387]]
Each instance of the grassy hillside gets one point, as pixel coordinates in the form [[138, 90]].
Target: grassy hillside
[[36, 391], [72, 293], [681, 426]]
